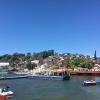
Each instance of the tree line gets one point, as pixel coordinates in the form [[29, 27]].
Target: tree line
[[70, 62], [16, 57], [75, 62]]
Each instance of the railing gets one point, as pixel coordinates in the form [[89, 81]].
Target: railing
[[78, 71]]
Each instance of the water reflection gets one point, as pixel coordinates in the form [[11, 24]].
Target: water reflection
[[3, 98]]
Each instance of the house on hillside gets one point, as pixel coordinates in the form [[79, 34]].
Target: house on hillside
[[96, 65], [4, 65], [97, 61], [36, 62]]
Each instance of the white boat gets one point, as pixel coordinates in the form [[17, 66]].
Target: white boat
[[5, 93], [88, 82], [20, 73]]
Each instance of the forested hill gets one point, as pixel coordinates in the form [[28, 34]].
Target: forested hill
[[29, 56]]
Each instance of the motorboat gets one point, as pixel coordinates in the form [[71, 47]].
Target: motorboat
[[97, 81], [88, 82], [5, 93]]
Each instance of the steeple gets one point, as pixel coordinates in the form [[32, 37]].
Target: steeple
[[95, 55]]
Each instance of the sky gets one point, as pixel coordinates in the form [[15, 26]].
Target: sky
[[63, 25]]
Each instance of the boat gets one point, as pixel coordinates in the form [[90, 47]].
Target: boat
[[88, 82], [5, 93], [97, 81], [51, 76], [20, 73]]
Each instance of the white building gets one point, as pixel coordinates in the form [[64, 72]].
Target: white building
[[4, 64], [35, 62], [4, 67]]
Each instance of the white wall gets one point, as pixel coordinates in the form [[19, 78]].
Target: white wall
[[4, 64]]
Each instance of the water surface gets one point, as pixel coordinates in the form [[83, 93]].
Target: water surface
[[27, 89]]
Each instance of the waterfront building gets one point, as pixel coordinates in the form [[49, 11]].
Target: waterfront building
[[4, 68]]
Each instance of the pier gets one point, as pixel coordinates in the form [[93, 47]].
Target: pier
[[13, 77], [82, 72]]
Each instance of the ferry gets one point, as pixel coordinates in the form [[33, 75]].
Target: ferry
[[51, 76], [88, 82], [5, 93]]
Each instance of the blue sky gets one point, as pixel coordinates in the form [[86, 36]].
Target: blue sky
[[37, 25]]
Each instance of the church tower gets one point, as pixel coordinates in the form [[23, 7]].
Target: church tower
[[95, 55]]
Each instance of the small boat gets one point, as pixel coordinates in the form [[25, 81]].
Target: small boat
[[53, 76], [97, 81], [88, 82], [5, 93]]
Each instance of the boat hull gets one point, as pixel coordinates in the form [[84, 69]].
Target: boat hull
[[39, 77], [6, 95]]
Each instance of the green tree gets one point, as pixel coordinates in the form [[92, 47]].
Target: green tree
[[30, 66]]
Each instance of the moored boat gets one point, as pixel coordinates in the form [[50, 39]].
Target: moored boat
[[88, 82], [53, 76], [97, 81]]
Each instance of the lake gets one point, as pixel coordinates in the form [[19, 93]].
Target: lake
[[27, 89]]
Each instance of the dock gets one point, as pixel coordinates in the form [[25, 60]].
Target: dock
[[82, 72], [13, 77]]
